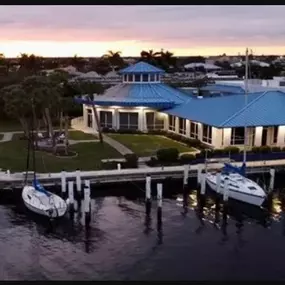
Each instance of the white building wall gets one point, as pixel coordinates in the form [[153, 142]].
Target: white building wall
[[217, 137], [220, 137]]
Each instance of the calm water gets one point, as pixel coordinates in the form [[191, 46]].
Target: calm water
[[121, 244]]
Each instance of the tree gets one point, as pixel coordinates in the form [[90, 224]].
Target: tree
[[30, 63], [150, 56], [114, 59], [77, 62]]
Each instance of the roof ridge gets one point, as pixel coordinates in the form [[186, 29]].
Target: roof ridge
[[243, 109], [177, 92]]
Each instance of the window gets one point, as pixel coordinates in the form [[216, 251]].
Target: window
[[145, 78], [89, 118], [125, 77], [131, 79], [194, 130], [207, 134], [137, 77], [237, 136], [152, 77], [275, 134], [157, 77], [106, 119], [171, 125], [182, 126], [129, 120], [154, 121]]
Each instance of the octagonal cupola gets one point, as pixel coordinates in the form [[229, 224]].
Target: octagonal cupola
[[141, 73]]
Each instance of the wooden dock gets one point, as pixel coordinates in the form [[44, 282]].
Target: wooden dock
[[16, 180]]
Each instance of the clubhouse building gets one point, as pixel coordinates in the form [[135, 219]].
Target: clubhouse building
[[142, 102]]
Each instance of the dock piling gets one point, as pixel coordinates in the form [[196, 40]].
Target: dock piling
[[199, 171], [119, 166], [78, 180], [218, 182], [148, 194], [272, 179], [203, 182], [159, 212], [71, 195], [159, 195], [87, 201], [186, 175], [63, 182], [226, 190]]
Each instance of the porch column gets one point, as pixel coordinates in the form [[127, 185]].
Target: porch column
[[85, 116], [177, 125], [187, 128], [115, 120], [200, 132], [217, 137], [258, 136], [227, 137], [281, 136], [166, 122]]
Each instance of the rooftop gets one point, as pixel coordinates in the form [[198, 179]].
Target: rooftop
[[141, 67], [223, 88], [263, 109], [145, 95]]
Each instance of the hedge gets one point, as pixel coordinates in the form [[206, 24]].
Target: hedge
[[166, 156]]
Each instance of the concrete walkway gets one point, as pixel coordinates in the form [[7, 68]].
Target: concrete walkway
[[123, 150]]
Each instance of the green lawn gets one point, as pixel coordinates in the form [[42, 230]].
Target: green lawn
[[13, 156], [78, 135], [147, 145]]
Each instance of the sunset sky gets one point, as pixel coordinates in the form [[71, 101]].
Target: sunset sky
[[184, 30]]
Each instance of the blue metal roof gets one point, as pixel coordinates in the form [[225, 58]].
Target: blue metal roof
[[223, 88], [156, 95], [141, 67], [263, 109]]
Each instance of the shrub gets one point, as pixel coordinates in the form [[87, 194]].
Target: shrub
[[255, 149], [218, 151], [152, 162], [195, 143], [167, 155], [265, 149], [231, 150], [187, 158], [276, 149], [131, 160]]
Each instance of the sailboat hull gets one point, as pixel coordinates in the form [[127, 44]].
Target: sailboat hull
[[51, 206], [238, 190]]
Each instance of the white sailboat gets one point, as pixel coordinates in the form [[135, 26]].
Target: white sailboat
[[239, 187], [36, 198]]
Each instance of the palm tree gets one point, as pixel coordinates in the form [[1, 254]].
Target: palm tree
[[150, 56], [114, 59]]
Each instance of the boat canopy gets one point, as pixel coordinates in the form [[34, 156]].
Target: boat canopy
[[228, 168], [40, 188]]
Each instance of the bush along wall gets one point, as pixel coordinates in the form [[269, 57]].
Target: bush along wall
[[170, 157]]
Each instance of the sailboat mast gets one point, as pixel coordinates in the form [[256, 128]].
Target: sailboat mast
[[245, 103]]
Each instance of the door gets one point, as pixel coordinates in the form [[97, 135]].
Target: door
[[264, 137], [89, 119]]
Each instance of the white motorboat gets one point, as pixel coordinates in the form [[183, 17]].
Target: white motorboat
[[43, 202], [239, 188]]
